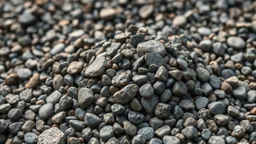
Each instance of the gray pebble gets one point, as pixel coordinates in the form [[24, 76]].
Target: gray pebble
[[201, 102], [151, 47], [203, 74], [179, 88], [240, 92], [154, 59], [24, 73], [146, 132], [171, 140], [85, 97], [54, 97], [216, 107], [106, 133], [190, 132], [126, 94], [14, 114], [146, 90], [236, 42], [91, 120], [30, 138], [45, 111], [149, 103]]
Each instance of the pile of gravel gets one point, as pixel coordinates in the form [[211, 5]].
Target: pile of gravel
[[127, 72]]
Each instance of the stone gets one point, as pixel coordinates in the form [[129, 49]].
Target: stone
[[206, 133], [135, 117], [240, 92], [162, 110], [206, 45], [54, 97], [85, 97], [151, 47], [26, 95], [186, 104], [145, 11], [129, 128], [179, 88], [14, 114], [149, 103], [58, 48], [27, 19], [59, 117], [12, 99], [201, 102], [179, 21], [221, 119], [28, 126], [106, 132], [154, 59], [30, 138], [107, 13], [146, 90], [15, 127], [51, 136], [238, 57], [111, 51], [45, 111], [138, 139], [190, 132], [161, 74], [77, 125], [75, 67], [216, 140], [91, 120], [171, 140], [96, 68], [204, 31], [126, 94], [236, 42], [146, 132], [4, 124], [122, 78], [203, 74], [162, 131], [216, 107]]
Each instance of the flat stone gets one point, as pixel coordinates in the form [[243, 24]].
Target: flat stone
[[51, 136], [54, 97], [216, 140], [24, 73], [107, 13], [106, 132], [26, 95], [122, 78], [149, 103], [126, 94], [203, 74], [179, 21], [91, 120], [201, 102], [171, 140], [30, 138], [146, 90], [240, 92], [97, 68], [58, 48]]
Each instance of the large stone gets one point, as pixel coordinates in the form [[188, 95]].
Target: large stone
[[51, 136]]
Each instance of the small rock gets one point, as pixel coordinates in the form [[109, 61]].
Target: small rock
[[45, 111], [107, 13], [85, 97], [179, 21], [216, 140], [106, 133], [146, 10], [97, 68], [126, 94], [75, 67], [216, 107], [146, 132], [236, 42], [30, 138], [179, 88], [151, 47]]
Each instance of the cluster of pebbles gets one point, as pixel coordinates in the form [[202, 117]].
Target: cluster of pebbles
[[174, 72]]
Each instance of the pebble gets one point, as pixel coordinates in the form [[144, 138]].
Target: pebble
[[4, 124], [186, 104], [30, 138], [240, 92], [24, 73], [151, 47], [221, 119], [179, 88], [204, 31], [205, 45], [85, 97], [129, 128], [27, 19], [138, 139], [52, 135], [190, 132], [75, 67], [251, 96], [162, 131], [58, 48], [26, 95], [126, 94], [54, 97], [106, 132], [146, 90], [206, 133], [45, 111], [216, 107], [107, 13], [91, 120], [145, 11], [171, 140], [236, 42], [201, 102], [154, 59], [59, 117], [146, 132], [203, 74], [149, 103], [162, 110], [179, 21], [97, 68], [122, 78], [216, 139], [14, 114]]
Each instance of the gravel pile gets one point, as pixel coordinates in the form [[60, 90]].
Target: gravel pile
[[125, 72]]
